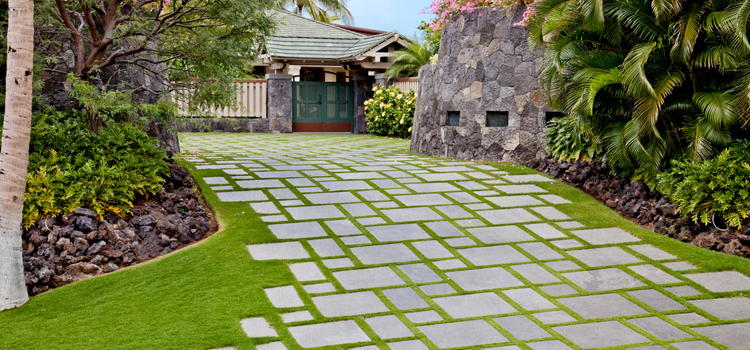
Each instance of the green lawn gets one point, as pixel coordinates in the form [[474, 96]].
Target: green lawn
[[194, 298]]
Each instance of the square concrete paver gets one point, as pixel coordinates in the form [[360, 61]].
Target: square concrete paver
[[284, 297], [326, 247], [298, 230], [420, 273], [484, 279], [693, 345], [554, 317], [493, 255], [438, 289], [217, 180], [297, 316], [652, 252], [315, 212], [559, 289], [725, 308], [449, 264], [328, 334], [384, 254], [432, 249], [265, 208], [444, 229], [432, 187], [549, 345], [389, 327], [516, 189], [242, 196], [350, 304], [454, 212], [602, 306], [654, 274], [411, 214], [540, 251], [466, 333], [260, 184], [278, 251], [358, 209], [522, 327], [535, 273], [602, 280], [405, 298], [474, 305], [395, 233], [343, 227], [717, 282], [545, 231], [307, 271], [613, 235], [501, 234], [368, 278], [735, 336], [257, 327], [656, 300], [338, 263], [601, 334], [345, 185], [507, 216], [528, 299], [271, 346], [319, 288], [408, 345], [688, 318], [356, 240], [332, 198], [598, 257], [423, 316], [514, 201], [660, 328], [417, 200], [550, 213]]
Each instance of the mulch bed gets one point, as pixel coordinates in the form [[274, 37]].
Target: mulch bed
[[63, 250]]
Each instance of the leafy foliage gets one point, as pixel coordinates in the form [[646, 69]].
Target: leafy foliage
[[720, 185], [659, 80], [327, 11], [71, 167], [409, 60], [567, 144], [390, 112]]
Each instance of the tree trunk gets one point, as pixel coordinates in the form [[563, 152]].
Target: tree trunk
[[14, 154]]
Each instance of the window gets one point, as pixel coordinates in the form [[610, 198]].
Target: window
[[551, 115], [497, 119], [454, 118]]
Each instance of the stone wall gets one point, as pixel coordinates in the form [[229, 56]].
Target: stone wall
[[222, 125], [485, 65]]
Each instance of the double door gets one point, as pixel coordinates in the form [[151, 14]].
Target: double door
[[322, 107]]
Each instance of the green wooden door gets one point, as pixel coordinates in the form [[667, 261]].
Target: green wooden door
[[323, 107]]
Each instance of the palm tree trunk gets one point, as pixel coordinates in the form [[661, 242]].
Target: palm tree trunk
[[14, 154]]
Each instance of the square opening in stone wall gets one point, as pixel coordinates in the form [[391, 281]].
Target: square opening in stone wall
[[497, 119], [548, 116], [454, 118]]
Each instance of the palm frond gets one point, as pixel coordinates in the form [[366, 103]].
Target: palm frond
[[633, 70]]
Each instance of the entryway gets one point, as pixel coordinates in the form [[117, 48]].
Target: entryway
[[322, 107]]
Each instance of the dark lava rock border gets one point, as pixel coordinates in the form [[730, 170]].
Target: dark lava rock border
[[63, 250], [635, 201]]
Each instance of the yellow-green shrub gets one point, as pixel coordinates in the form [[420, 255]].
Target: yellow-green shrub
[[390, 112]]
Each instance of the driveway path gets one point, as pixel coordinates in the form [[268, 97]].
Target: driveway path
[[396, 251]]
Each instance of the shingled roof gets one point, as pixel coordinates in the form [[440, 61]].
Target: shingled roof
[[300, 37]]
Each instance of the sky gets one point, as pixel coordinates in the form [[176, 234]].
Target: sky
[[388, 15]]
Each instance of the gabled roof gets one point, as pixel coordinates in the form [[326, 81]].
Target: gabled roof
[[300, 37]]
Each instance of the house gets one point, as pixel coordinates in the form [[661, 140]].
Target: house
[[329, 67]]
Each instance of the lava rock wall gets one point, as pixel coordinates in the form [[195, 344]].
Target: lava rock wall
[[485, 64]]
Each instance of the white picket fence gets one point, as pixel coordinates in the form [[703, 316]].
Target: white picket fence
[[407, 84], [252, 101]]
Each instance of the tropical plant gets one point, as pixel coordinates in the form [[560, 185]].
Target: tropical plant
[[658, 79], [390, 112], [567, 144], [410, 59], [14, 157], [719, 185], [445, 10], [327, 11]]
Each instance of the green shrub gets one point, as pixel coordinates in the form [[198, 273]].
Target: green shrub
[[567, 144], [390, 112], [71, 167], [720, 185]]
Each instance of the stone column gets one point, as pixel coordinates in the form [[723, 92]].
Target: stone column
[[280, 102], [380, 80], [359, 83]]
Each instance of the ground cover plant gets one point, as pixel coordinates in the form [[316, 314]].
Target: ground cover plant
[[654, 80], [194, 299], [390, 112], [72, 167]]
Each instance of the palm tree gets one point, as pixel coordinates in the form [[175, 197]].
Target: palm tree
[[654, 80], [321, 10], [14, 152], [409, 60]]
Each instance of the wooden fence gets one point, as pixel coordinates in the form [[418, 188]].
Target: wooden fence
[[251, 98], [407, 84]]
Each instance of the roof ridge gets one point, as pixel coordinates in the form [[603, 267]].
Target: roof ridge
[[322, 23], [367, 38]]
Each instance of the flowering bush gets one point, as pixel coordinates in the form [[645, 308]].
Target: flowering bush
[[390, 112], [446, 9]]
